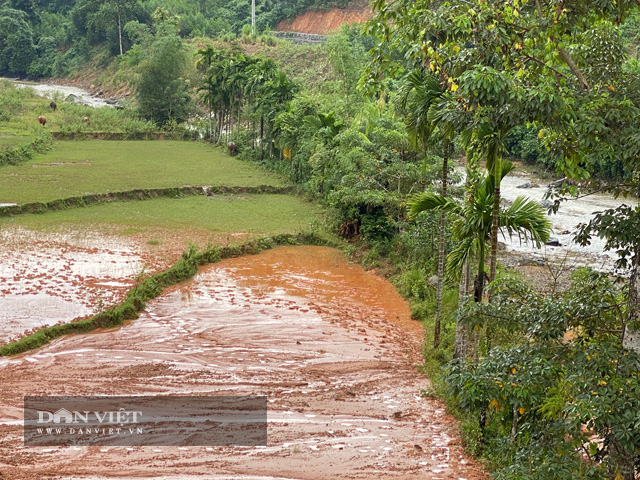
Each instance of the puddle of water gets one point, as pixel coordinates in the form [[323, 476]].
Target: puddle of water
[[20, 313], [48, 278]]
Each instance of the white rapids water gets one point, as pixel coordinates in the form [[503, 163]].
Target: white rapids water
[[50, 91], [570, 214]]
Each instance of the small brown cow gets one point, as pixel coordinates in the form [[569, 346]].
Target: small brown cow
[[53, 106], [42, 121], [233, 148]]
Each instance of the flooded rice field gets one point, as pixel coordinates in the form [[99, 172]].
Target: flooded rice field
[[330, 345], [52, 277]]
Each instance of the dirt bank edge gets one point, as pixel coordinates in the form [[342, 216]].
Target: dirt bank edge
[[140, 194], [152, 286]]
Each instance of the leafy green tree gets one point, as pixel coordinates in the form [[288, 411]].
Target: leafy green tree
[[564, 393], [162, 92], [16, 41], [344, 58], [514, 62], [424, 101], [99, 18], [43, 64]]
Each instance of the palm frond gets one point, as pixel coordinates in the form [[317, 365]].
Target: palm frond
[[421, 202], [465, 249], [526, 219]]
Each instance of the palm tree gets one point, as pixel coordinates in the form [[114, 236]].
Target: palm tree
[[426, 103], [258, 74], [472, 228], [209, 92], [491, 140], [473, 225]]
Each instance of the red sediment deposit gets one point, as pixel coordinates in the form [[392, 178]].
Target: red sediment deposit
[[325, 22], [331, 346]]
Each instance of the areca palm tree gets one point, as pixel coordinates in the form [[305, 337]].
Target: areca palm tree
[[524, 218], [210, 96], [428, 108], [491, 140]]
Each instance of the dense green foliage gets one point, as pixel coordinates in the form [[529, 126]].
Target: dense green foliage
[[564, 386], [551, 380], [162, 92], [55, 38]]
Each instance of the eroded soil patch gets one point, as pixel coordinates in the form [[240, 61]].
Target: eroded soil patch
[[331, 346], [54, 277]]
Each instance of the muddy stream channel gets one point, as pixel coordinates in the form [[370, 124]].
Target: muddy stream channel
[[331, 346]]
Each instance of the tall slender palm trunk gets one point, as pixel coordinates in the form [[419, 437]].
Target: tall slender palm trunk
[[119, 28], [463, 342], [442, 251], [495, 226], [495, 222], [478, 288], [631, 339]]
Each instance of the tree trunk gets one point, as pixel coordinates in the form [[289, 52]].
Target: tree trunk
[[479, 281], [514, 425], [461, 345], [495, 226], [119, 28], [261, 137], [210, 124], [220, 122], [441, 251], [631, 339], [622, 466], [622, 461]]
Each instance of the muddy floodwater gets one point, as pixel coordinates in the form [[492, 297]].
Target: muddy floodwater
[[330, 345], [54, 277]]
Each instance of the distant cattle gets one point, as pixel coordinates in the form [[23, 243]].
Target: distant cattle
[[233, 148], [53, 106], [42, 121], [87, 120]]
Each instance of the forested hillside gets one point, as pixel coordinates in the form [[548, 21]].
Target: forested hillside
[[42, 39]]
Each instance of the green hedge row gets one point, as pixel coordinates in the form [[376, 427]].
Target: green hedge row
[[153, 286], [140, 194], [23, 152]]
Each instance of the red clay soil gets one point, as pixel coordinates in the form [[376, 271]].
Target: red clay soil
[[325, 22], [331, 346], [54, 277]]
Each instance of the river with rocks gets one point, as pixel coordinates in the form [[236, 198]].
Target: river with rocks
[[564, 223], [64, 92]]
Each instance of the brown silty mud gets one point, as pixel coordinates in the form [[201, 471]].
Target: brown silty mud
[[332, 347], [325, 22], [54, 277]]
